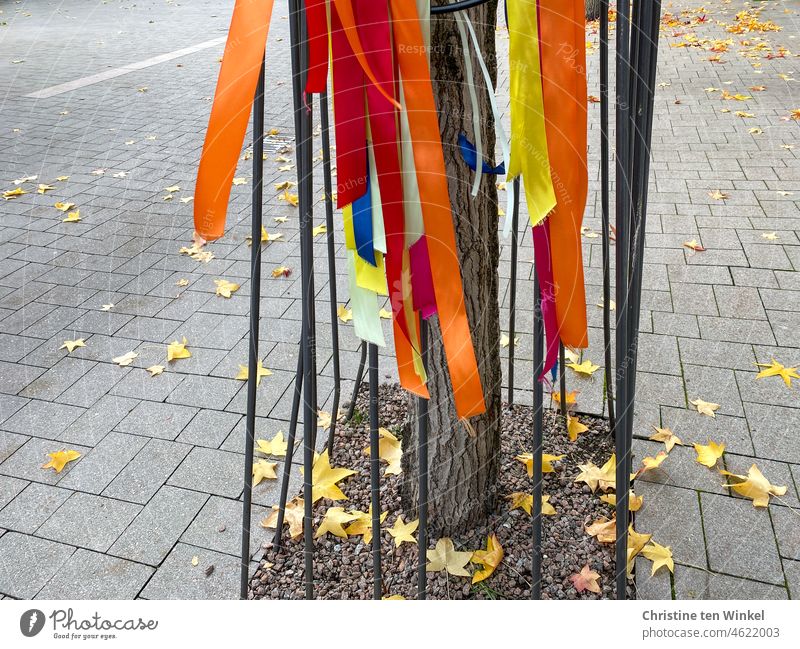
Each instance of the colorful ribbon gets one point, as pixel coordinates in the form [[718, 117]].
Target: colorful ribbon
[[236, 87]]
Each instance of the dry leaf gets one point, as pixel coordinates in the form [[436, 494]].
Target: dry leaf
[[718, 195], [389, 451], [281, 271], [72, 217], [263, 470], [64, 207], [634, 501], [547, 460], [604, 477], [660, 555], [587, 368], [72, 345], [13, 193], [586, 579], [324, 479], [604, 530], [60, 459], [334, 518], [125, 359], [177, 350], [445, 557], [277, 446], [652, 462], [708, 454], [489, 558], [403, 532], [320, 229], [362, 524], [293, 517], [575, 428], [155, 370], [225, 288], [345, 314], [705, 407], [777, 369], [244, 373], [754, 486]]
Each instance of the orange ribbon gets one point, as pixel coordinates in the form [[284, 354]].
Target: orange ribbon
[[563, 52], [410, 52], [236, 87]]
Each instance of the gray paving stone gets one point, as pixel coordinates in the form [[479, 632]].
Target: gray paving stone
[[159, 525], [93, 385], [161, 420], [88, 521], [650, 586], [773, 430], [691, 583], [179, 579], [148, 471], [211, 471], [218, 527], [740, 539], [679, 469], [778, 473], [205, 392], [739, 302], [27, 461], [10, 442], [9, 488], [28, 563], [138, 384], [14, 377], [736, 331], [9, 405], [714, 384], [87, 575], [43, 418], [209, 428], [672, 516], [792, 571], [716, 353], [32, 507], [102, 464], [787, 531], [97, 421]]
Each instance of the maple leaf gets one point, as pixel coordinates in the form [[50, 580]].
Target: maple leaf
[[362, 524], [244, 373], [177, 350], [225, 288], [324, 479], [445, 557], [345, 314], [636, 543], [717, 195], [693, 245], [667, 436], [294, 514], [42, 188], [72, 345], [263, 470], [106, 307], [754, 486], [290, 198], [705, 407], [334, 518], [276, 446], [403, 532], [389, 451], [384, 314], [571, 355], [604, 477], [388, 597], [571, 397], [587, 368], [240, 181], [60, 459], [770, 236], [72, 217], [155, 370], [520, 500], [547, 460], [575, 428], [489, 558], [13, 193], [634, 501], [286, 184], [652, 462], [280, 219], [320, 229], [125, 359], [586, 579], [505, 341], [708, 454], [266, 237], [187, 199], [182, 282], [755, 131], [26, 179], [281, 271], [660, 556], [744, 114], [777, 369], [603, 529]]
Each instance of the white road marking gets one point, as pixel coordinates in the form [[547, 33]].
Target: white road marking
[[61, 88]]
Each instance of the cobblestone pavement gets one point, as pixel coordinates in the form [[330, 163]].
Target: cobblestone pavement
[[160, 479]]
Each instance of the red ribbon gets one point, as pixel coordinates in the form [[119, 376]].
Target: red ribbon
[[317, 28]]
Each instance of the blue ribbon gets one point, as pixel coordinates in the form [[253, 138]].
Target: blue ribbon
[[470, 155], [362, 226]]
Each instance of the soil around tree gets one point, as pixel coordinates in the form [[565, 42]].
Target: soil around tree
[[343, 567]]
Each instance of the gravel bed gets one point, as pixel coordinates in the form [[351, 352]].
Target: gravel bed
[[343, 567]]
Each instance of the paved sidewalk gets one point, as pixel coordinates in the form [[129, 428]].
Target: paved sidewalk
[[160, 479]]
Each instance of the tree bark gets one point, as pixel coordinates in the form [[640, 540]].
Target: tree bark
[[463, 469], [593, 9]]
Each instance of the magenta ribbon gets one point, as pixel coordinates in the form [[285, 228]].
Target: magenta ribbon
[[422, 293], [547, 291]]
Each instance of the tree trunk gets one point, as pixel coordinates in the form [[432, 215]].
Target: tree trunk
[[463, 470], [593, 9]]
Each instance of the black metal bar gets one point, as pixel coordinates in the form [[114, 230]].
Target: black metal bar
[[562, 380], [255, 297], [374, 472], [463, 5], [604, 210], [302, 116], [287, 463], [422, 459], [512, 303], [359, 377], [623, 72], [328, 188], [538, 425]]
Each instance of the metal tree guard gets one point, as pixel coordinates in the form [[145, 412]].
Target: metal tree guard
[[636, 57]]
